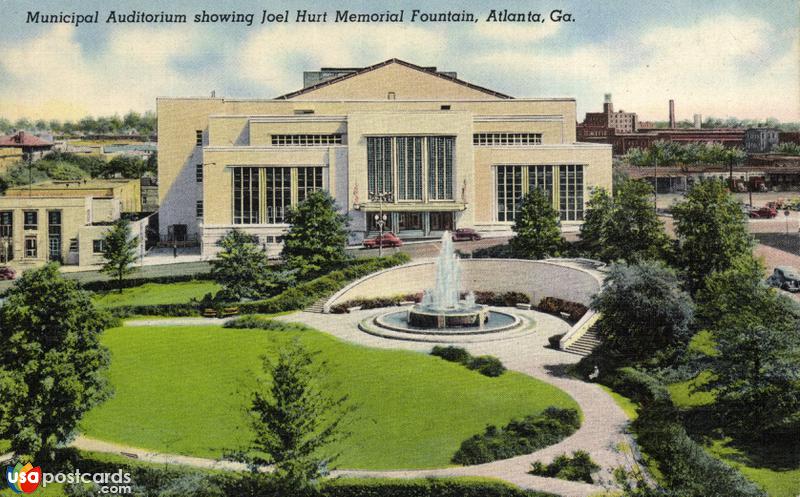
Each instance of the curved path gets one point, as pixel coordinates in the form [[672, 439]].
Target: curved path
[[602, 432]]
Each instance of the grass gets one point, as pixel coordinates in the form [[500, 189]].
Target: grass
[[627, 405], [684, 396], [777, 483], [157, 293], [704, 343], [184, 390]]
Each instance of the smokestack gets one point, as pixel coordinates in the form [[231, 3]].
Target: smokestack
[[698, 121], [671, 113], [608, 107]]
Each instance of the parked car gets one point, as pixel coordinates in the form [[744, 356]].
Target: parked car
[[462, 234], [786, 278], [7, 273], [389, 239], [763, 213]]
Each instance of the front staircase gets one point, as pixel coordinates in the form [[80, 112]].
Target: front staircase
[[318, 306], [584, 345]]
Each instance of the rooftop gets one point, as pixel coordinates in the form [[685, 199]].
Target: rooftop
[[23, 139], [77, 185]]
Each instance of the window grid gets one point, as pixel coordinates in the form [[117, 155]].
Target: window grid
[[278, 194], [31, 220], [31, 250], [54, 234], [198, 173], [541, 177], [98, 246], [306, 140], [409, 167], [245, 195], [509, 192], [199, 208], [440, 167], [571, 193], [6, 233], [309, 180], [198, 139], [506, 139], [379, 164]]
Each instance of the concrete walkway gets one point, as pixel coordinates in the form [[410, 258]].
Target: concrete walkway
[[602, 433]]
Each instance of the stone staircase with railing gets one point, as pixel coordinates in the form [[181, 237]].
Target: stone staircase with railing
[[584, 345], [318, 306]]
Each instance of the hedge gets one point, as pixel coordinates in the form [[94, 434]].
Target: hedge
[[263, 323], [293, 298], [553, 305], [497, 299], [110, 285], [687, 469], [486, 365], [429, 487], [519, 437]]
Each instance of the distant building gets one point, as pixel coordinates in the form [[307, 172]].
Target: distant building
[[65, 221], [625, 122], [789, 137], [22, 146], [761, 140]]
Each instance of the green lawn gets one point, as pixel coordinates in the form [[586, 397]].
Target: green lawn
[[157, 293], [184, 390], [777, 483], [626, 404], [684, 396]]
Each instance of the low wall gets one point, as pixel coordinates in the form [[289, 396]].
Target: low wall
[[537, 279]]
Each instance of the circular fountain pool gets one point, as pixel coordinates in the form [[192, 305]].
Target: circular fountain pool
[[455, 323]]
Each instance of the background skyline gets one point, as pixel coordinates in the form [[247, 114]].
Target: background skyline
[[719, 58]]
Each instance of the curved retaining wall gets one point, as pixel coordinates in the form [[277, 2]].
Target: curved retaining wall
[[537, 279]]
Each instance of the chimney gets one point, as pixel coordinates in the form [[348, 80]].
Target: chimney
[[671, 113], [698, 121], [608, 107]]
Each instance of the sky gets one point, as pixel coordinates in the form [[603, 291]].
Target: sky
[[715, 58]]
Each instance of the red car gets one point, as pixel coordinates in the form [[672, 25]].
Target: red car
[[462, 234], [763, 213], [7, 273], [389, 239]]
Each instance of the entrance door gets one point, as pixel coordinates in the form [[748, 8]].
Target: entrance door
[[54, 235]]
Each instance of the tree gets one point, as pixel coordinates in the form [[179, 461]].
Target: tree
[[712, 232], [598, 213], [317, 238], [127, 166], [51, 362], [242, 268], [294, 419], [633, 231], [119, 251], [537, 231], [643, 310]]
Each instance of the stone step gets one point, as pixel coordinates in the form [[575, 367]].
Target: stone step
[[318, 306]]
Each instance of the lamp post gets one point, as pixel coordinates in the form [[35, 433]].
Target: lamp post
[[380, 218]]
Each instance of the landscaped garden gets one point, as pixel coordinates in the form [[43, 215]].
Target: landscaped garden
[[185, 390], [157, 294]]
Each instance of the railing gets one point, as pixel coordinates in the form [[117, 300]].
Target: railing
[[171, 241], [579, 329]]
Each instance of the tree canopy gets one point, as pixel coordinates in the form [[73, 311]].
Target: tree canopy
[[119, 251], [537, 228]]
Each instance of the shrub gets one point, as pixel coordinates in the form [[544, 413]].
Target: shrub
[[429, 487], [108, 285], [487, 365], [555, 340], [638, 386], [518, 437], [579, 467], [553, 305], [263, 323], [501, 299], [452, 354], [494, 252], [374, 303]]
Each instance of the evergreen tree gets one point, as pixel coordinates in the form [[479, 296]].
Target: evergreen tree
[[633, 231], [52, 366], [119, 251], [242, 268], [317, 238], [537, 231], [712, 232], [294, 419], [598, 213]]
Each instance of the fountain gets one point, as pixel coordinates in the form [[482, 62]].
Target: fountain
[[442, 311], [441, 306]]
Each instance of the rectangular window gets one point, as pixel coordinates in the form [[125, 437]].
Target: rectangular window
[[306, 140], [440, 167], [31, 250], [541, 177], [31, 220], [198, 137], [54, 235], [379, 165], [198, 173], [570, 184], [199, 208], [6, 236], [372, 221], [98, 246], [409, 168], [73, 244], [245, 195], [441, 221], [506, 139], [409, 221], [278, 194], [309, 180]]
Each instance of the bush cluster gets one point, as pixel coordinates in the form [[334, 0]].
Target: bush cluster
[[430, 487], [497, 299], [494, 252], [553, 305], [263, 323], [486, 365], [687, 469], [579, 467], [110, 285], [518, 437]]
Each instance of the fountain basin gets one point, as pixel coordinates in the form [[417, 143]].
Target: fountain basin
[[460, 317], [459, 323]]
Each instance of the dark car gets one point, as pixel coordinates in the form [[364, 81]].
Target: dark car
[[763, 213], [389, 239], [785, 278], [7, 273], [462, 234]]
